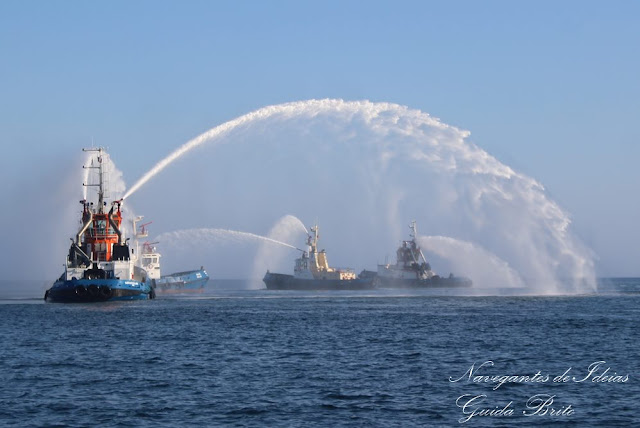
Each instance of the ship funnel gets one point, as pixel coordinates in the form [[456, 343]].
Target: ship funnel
[[85, 226]]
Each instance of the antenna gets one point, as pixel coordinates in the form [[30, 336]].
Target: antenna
[[414, 232]]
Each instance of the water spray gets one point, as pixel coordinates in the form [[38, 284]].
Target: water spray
[[398, 164], [212, 234]]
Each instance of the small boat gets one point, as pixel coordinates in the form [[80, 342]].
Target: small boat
[[192, 281], [312, 272], [412, 270], [99, 265]]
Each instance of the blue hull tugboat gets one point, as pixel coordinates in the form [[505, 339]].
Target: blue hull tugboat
[[99, 265]]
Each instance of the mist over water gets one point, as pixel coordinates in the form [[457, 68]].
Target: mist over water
[[40, 215], [486, 269], [364, 170], [45, 213], [287, 229]]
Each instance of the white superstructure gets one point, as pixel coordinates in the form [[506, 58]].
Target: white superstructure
[[314, 265], [148, 257], [410, 262]]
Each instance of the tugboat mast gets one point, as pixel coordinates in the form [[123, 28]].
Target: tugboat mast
[[413, 233], [100, 184], [414, 245], [312, 241]]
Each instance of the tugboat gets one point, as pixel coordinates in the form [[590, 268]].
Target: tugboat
[[312, 272], [192, 281], [99, 265], [413, 271]]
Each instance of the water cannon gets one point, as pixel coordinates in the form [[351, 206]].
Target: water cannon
[[143, 230], [148, 247]]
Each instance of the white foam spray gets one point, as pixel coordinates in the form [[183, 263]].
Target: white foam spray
[[211, 235], [365, 170], [213, 248], [471, 260], [287, 229]]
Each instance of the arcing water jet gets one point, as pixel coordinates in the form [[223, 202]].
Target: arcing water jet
[[213, 235], [364, 170]]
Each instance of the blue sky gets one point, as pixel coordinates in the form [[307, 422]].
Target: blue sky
[[552, 89]]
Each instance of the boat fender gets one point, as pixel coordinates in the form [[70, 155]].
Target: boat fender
[[152, 294], [105, 291], [93, 290], [81, 290]]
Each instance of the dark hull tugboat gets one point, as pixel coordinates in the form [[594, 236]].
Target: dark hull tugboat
[[312, 272], [99, 265], [411, 270]]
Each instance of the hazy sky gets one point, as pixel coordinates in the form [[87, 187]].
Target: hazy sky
[[550, 88]]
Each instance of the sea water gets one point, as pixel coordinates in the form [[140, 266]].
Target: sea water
[[233, 357]]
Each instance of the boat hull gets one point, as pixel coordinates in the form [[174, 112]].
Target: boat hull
[[182, 282], [98, 290], [433, 282], [279, 281]]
